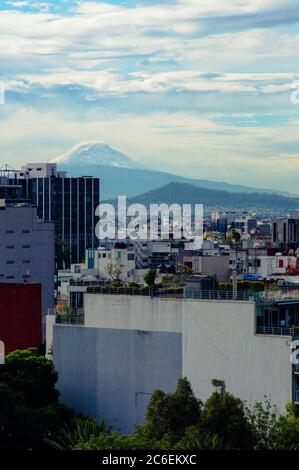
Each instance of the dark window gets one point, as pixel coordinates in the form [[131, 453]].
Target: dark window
[[10, 231], [10, 262], [10, 247], [26, 261], [284, 232]]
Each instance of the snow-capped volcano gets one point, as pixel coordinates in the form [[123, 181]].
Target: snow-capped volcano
[[95, 153]]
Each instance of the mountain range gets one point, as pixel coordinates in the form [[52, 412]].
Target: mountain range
[[183, 193], [120, 175]]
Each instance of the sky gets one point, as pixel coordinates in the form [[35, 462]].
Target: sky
[[201, 88]]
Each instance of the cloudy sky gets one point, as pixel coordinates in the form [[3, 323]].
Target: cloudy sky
[[198, 87]]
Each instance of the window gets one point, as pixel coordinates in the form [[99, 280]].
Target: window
[[10, 231], [77, 269], [281, 263], [26, 231], [26, 261], [10, 262], [10, 277], [104, 255], [10, 247], [26, 246], [131, 257]]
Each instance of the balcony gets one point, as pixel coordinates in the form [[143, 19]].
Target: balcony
[[70, 317], [276, 331]]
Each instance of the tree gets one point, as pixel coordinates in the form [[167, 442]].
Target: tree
[[264, 421], [287, 432], [62, 253], [29, 407], [114, 271], [31, 374], [168, 415], [194, 439], [83, 430], [150, 277], [236, 236], [223, 415]]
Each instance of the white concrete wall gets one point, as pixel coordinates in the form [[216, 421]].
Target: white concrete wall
[[219, 342], [132, 345], [133, 313]]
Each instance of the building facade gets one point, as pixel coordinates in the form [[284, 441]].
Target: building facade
[[285, 233], [68, 202], [131, 345], [20, 316], [27, 249]]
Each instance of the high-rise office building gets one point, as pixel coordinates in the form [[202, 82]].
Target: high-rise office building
[[68, 202], [285, 233]]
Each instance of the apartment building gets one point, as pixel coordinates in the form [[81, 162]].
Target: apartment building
[[27, 248]]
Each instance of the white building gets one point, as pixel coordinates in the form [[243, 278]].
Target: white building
[[131, 345], [267, 266]]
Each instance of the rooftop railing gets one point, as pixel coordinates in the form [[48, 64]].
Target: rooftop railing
[[199, 294], [277, 331], [72, 317]]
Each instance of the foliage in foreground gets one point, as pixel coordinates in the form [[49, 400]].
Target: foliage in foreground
[[31, 417], [30, 410]]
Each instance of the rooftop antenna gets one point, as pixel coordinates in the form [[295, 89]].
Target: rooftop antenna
[[6, 170]]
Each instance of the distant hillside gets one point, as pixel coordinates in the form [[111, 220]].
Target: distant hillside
[[182, 193], [120, 175]]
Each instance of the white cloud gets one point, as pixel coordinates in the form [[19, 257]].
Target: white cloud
[[219, 58]]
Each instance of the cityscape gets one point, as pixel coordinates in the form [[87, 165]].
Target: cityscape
[[149, 255]]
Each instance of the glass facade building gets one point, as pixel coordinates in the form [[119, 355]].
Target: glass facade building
[[71, 204]]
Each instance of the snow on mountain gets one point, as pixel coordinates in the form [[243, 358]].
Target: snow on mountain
[[96, 153]]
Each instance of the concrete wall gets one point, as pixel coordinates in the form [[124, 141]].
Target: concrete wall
[[111, 373], [133, 312], [131, 345], [212, 265], [219, 342]]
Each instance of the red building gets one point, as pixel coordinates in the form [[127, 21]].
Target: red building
[[20, 316]]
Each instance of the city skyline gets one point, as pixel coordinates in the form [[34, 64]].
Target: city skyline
[[201, 89]]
